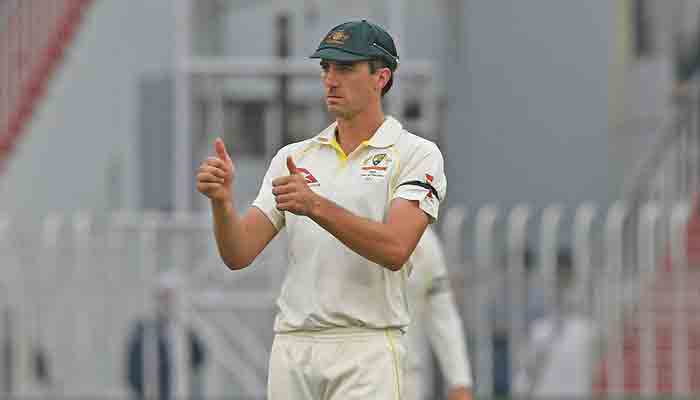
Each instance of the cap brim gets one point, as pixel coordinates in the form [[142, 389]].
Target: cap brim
[[334, 54]]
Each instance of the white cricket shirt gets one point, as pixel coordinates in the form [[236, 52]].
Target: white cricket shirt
[[328, 285]]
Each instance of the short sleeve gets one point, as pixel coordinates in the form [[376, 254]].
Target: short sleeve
[[422, 178], [265, 201]]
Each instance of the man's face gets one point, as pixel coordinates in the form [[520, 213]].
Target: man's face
[[164, 302], [351, 87]]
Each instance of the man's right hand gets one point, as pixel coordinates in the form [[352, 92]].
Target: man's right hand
[[215, 174]]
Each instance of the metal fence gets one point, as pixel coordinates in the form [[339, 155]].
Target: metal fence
[[601, 311], [73, 285]]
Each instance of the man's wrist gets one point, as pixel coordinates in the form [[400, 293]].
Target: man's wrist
[[317, 206], [222, 206]]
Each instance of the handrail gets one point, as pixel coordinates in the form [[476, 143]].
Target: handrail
[[647, 238], [679, 115]]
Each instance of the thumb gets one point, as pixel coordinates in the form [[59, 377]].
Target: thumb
[[220, 148], [291, 166]]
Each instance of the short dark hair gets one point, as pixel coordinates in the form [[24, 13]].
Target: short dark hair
[[378, 63]]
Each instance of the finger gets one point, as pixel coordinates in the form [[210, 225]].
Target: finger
[[284, 198], [283, 189], [218, 172], [282, 180], [285, 206], [291, 166], [206, 187], [216, 162], [209, 178], [220, 148]]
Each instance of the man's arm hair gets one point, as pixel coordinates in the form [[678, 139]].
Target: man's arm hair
[[389, 243], [240, 239]]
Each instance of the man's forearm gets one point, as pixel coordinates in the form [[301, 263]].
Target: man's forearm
[[230, 235], [371, 239]]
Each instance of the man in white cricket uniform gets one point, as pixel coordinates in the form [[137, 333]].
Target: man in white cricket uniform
[[354, 201], [435, 322]]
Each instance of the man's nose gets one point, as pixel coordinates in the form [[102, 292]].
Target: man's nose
[[330, 78]]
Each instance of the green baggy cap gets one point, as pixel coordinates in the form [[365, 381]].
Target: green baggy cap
[[358, 41]]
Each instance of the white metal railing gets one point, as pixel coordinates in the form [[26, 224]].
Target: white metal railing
[[610, 289], [74, 284]]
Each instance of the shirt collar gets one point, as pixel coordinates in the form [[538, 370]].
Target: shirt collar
[[387, 134], [327, 135]]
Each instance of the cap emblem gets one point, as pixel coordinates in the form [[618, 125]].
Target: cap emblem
[[338, 38]]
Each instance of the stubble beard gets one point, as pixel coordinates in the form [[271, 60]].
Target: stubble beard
[[340, 113]]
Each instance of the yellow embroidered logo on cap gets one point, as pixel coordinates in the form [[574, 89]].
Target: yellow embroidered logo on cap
[[337, 37]]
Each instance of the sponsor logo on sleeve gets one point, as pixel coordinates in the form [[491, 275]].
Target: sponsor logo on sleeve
[[429, 179], [309, 177]]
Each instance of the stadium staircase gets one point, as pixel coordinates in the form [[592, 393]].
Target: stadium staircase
[[659, 301], [34, 36], [657, 308]]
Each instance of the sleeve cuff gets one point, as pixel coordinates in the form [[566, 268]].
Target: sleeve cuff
[[272, 214], [426, 201]]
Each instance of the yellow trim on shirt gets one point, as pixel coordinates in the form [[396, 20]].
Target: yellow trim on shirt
[[395, 355], [397, 169], [334, 144]]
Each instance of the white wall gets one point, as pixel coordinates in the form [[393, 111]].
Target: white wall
[[528, 103]]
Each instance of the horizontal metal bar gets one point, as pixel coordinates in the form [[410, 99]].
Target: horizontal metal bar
[[272, 67]]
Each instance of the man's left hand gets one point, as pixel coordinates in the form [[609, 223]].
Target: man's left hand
[[292, 193], [459, 393]]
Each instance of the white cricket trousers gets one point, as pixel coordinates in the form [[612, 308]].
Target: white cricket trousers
[[337, 364]]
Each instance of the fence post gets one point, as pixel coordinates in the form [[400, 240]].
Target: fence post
[[679, 273], [517, 234], [611, 306], [485, 222], [647, 240]]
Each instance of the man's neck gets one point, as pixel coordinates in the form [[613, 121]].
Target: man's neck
[[352, 132]]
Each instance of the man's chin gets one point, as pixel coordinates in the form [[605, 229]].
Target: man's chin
[[335, 110]]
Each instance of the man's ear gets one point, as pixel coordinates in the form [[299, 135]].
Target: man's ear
[[384, 75]]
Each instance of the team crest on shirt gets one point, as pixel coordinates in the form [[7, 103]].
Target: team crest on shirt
[[377, 159], [374, 167]]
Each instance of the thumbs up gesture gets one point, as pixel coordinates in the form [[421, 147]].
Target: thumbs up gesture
[[293, 194], [215, 174], [291, 167]]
